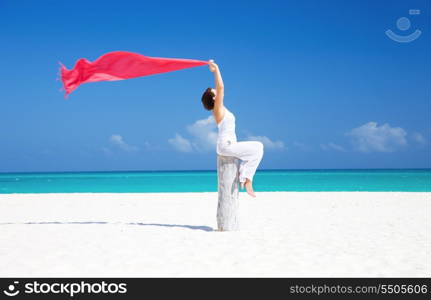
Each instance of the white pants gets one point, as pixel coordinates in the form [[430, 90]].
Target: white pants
[[249, 152]]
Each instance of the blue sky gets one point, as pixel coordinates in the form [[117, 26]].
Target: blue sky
[[318, 82]]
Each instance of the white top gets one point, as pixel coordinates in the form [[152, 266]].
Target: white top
[[226, 128]]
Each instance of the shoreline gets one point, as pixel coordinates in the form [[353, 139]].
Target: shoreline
[[199, 181]]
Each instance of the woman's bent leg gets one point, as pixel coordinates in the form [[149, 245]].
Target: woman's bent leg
[[252, 160], [250, 152]]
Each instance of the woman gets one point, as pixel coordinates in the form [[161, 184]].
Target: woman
[[249, 152]]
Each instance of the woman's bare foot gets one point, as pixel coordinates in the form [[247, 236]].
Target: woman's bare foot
[[249, 188]]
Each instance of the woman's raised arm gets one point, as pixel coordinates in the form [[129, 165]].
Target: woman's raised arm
[[218, 101]]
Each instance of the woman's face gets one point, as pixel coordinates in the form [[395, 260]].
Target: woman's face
[[214, 92]]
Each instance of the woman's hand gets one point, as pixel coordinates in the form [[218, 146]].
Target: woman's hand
[[212, 65]]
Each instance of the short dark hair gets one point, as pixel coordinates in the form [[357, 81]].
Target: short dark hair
[[207, 99]]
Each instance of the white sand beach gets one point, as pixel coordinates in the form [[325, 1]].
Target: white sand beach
[[283, 234]]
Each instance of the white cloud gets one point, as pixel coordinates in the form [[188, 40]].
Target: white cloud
[[118, 141], [203, 137], [180, 143], [332, 146], [267, 142], [419, 138], [204, 134], [371, 137]]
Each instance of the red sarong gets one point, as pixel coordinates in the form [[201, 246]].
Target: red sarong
[[119, 65]]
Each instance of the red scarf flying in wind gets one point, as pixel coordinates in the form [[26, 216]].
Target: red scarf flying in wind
[[119, 65]]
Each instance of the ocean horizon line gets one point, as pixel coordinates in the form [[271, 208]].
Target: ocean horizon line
[[215, 170]]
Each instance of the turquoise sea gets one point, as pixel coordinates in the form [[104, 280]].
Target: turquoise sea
[[408, 180]]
